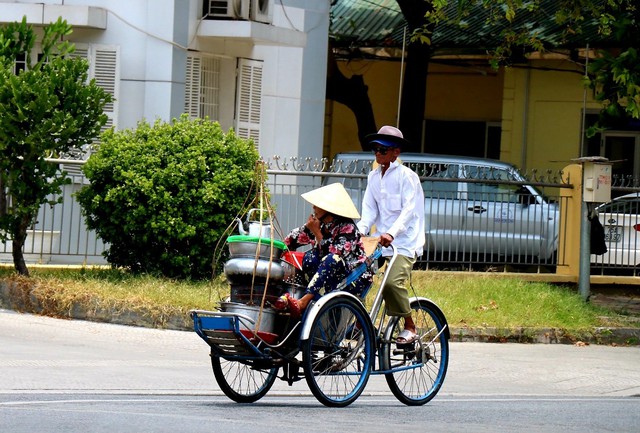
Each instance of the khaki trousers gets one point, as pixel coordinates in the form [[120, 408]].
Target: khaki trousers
[[394, 292]]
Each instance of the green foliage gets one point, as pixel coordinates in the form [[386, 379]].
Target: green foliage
[[162, 195], [616, 84], [614, 75], [45, 110]]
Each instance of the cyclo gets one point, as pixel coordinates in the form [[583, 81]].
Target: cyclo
[[335, 346]]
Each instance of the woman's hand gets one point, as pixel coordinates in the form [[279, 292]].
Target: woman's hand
[[313, 224]]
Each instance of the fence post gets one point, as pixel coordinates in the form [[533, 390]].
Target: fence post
[[570, 223]]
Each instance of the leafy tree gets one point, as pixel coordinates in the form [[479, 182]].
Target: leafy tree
[[163, 195], [614, 75], [45, 110], [353, 93], [521, 27]]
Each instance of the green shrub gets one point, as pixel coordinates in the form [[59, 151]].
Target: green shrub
[[161, 196]]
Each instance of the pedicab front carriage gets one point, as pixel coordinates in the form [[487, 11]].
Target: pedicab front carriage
[[336, 344]]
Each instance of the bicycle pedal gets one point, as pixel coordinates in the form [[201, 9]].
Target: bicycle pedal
[[405, 349]]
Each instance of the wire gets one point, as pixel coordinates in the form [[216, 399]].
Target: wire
[[284, 11], [175, 44]]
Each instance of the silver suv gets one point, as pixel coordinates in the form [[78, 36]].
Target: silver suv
[[472, 205]]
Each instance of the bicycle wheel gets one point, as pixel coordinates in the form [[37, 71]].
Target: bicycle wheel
[[242, 382], [338, 355], [418, 369]]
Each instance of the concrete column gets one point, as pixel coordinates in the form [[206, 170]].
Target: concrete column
[[571, 214]]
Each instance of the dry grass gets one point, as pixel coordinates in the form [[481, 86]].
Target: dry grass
[[466, 299]]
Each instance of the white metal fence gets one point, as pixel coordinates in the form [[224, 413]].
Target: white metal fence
[[60, 235]]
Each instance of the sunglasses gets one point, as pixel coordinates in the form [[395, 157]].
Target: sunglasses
[[381, 150]]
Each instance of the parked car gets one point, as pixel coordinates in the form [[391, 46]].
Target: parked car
[[473, 206], [621, 221]]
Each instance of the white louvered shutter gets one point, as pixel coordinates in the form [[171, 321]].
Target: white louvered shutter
[[202, 87], [192, 87], [249, 99], [105, 69]]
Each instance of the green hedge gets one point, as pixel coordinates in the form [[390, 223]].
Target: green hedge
[[162, 195]]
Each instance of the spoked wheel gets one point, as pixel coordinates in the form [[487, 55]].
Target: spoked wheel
[[418, 369], [242, 382], [338, 355]]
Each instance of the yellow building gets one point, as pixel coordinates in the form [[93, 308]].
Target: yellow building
[[532, 114]]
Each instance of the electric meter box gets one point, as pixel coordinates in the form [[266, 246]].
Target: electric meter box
[[596, 182]]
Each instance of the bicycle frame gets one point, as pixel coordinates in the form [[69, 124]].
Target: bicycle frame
[[232, 339]]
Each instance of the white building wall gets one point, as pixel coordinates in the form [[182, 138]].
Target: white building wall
[[295, 83], [165, 62], [152, 36]]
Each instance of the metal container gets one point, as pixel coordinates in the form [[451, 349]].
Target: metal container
[[289, 270], [246, 270], [246, 294], [295, 290], [266, 321], [249, 247]]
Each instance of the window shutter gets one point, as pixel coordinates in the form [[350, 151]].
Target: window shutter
[[249, 100], [210, 88], [192, 87], [81, 51], [105, 69]]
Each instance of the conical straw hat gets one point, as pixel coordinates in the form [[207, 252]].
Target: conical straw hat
[[333, 198]]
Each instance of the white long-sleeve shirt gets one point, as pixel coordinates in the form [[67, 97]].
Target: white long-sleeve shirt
[[394, 203]]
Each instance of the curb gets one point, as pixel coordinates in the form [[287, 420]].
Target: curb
[[603, 336], [12, 298]]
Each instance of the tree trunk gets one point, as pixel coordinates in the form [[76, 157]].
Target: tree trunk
[[353, 93], [414, 88], [414, 93], [3, 198], [19, 238]]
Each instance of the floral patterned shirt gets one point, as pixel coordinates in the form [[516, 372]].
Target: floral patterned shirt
[[340, 236]]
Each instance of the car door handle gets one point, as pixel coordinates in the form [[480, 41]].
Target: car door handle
[[476, 209]]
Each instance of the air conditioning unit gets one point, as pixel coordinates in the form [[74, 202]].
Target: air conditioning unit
[[261, 10], [213, 9]]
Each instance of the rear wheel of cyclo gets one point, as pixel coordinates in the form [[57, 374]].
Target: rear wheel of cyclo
[[338, 355], [242, 382], [419, 369]]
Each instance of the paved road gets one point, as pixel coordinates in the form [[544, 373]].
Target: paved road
[[37, 354], [78, 377]]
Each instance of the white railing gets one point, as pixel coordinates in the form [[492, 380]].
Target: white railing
[[60, 235]]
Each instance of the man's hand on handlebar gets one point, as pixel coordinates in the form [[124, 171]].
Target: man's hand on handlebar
[[386, 239]]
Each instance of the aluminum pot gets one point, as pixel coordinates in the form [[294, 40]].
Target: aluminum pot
[[249, 246], [246, 294], [246, 270], [267, 321]]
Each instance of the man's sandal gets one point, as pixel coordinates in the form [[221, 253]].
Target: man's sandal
[[406, 337]]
